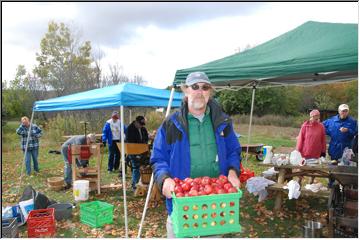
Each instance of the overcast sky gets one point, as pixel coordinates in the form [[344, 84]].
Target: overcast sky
[[155, 39]]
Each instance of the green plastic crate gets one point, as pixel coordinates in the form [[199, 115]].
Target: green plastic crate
[[96, 214], [206, 215]]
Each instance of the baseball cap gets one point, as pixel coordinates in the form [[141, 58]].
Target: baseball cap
[[115, 113], [196, 77], [343, 107], [314, 113], [141, 120], [91, 137]]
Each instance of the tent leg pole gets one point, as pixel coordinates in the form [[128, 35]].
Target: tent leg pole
[[152, 175], [130, 115], [250, 121], [123, 167], [170, 102], [26, 149]]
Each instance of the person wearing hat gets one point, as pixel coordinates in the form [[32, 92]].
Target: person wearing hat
[[111, 134], [341, 128], [311, 142], [199, 140], [136, 133], [33, 144], [74, 140]]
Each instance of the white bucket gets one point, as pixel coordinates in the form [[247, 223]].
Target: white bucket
[[81, 190], [267, 154]]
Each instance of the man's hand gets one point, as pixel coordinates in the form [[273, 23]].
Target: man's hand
[[168, 187], [343, 129], [233, 178]]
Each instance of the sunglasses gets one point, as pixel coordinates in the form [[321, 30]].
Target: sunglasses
[[205, 87]]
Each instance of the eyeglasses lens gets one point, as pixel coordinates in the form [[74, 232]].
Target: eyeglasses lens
[[205, 87]]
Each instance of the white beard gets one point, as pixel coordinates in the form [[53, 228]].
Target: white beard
[[197, 103]]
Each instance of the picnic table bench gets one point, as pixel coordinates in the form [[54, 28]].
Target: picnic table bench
[[287, 172]]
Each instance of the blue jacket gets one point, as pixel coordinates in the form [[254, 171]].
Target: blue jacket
[[171, 152], [339, 141], [107, 134]]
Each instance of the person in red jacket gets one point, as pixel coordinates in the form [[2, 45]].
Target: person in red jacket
[[311, 142]]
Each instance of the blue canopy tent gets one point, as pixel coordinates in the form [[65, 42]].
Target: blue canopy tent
[[126, 94]]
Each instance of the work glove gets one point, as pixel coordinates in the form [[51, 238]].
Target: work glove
[[323, 154], [104, 143], [168, 187]]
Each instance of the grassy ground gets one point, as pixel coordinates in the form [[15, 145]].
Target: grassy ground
[[256, 219]]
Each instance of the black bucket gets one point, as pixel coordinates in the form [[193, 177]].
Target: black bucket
[[312, 229], [62, 210]]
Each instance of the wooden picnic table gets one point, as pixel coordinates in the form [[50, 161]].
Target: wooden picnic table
[[253, 149], [287, 172]]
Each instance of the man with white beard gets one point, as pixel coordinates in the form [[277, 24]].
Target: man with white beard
[[199, 140]]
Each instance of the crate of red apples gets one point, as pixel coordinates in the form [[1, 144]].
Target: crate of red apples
[[205, 206]]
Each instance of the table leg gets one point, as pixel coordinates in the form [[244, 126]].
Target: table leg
[[278, 198]]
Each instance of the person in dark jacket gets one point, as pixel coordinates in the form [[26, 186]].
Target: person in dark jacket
[[199, 140], [342, 129], [136, 133]]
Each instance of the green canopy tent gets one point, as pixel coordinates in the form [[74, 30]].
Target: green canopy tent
[[311, 54]]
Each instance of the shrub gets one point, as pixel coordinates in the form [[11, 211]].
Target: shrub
[[154, 120], [61, 125], [68, 123], [275, 120]]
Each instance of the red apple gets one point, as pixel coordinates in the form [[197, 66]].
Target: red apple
[[227, 186], [179, 194], [193, 193], [223, 178], [221, 191], [188, 180], [205, 181], [185, 186], [232, 190], [208, 189], [178, 189], [201, 193], [197, 180], [195, 187]]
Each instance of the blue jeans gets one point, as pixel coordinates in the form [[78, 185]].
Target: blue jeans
[[34, 154], [67, 166], [135, 170], [114, 156]]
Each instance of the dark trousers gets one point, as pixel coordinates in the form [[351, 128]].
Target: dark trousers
[[114, 156], [135, 169]]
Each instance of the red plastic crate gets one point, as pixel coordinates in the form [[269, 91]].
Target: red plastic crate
[[41, 223]]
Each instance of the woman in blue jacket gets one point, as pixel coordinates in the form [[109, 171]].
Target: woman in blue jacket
[[197, 141]]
